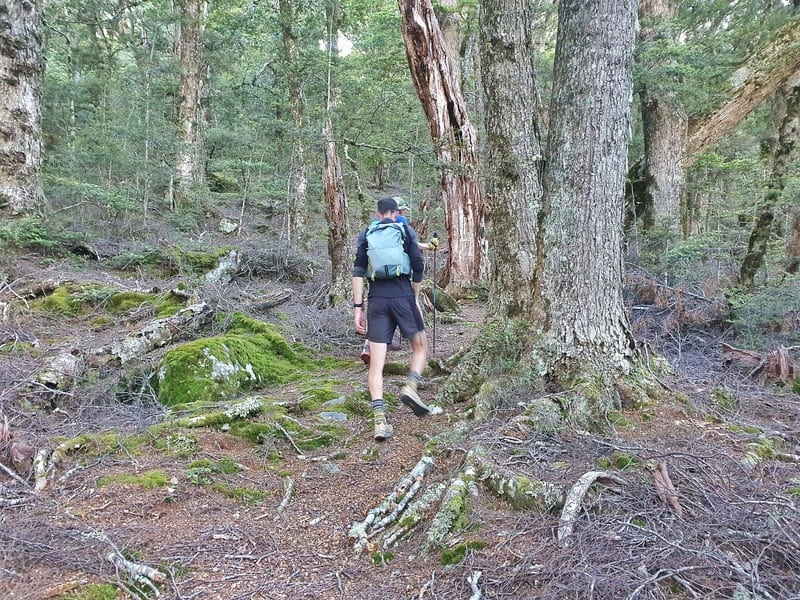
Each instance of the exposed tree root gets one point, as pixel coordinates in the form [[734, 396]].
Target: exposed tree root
[[390, 509], [572, 504], [452, 509]]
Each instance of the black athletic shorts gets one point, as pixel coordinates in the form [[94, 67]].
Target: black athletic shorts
[[384, 315]]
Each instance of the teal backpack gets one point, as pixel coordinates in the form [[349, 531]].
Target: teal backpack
[[386, 251]]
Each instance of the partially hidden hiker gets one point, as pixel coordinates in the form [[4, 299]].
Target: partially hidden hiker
[[402, 211], [387, 255]]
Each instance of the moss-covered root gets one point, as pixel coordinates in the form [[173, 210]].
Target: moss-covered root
[[453, 511], [500, 345], [520, 492], [383, 515], [414, 515]]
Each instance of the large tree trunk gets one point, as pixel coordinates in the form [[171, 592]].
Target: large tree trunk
[[513, 155], [298, 170], [438, 85], [586, 334], [21, 73], [783, 151], [556, 305], [764, 71], [193, 95]]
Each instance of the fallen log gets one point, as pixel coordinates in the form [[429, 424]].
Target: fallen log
[[159, 333], [778, 364]]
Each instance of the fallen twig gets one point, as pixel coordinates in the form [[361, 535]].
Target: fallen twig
[[472, 580], [666, 491], [288, 490]]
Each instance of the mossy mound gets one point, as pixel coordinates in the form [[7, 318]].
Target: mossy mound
[[250, 354]]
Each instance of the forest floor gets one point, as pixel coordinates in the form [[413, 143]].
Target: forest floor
[[729, 443]]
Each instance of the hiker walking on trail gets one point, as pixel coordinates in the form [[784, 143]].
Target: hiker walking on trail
[[402, 210], [386, 254]]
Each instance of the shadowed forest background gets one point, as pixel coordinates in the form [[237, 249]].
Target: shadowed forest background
[[182, 409]]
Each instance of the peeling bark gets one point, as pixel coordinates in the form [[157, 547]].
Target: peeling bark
[[437, 81]]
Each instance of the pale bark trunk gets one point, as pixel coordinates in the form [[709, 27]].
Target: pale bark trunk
[[193, 95], [21, 73], [513, 154], [784, 151], [438, 85], [297, 185], [587, 330]]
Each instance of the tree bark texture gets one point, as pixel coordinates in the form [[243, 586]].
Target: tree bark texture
[[664, 125], [513, 151], [438, 85], [297, 185], [784, 151], [193, 94], [21, 73], [582, 267]]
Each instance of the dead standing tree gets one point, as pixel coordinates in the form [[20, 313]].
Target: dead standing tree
[[438, 84]]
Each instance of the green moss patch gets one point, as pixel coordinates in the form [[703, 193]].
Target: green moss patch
[[164, 305], [147, 480], [250, 354], [453, 556], [93, 591], [243, 495]]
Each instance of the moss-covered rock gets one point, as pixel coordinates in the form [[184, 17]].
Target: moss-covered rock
[[250, 354]]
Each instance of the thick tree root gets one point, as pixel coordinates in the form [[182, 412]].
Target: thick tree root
[[380, 517], [452, 509]]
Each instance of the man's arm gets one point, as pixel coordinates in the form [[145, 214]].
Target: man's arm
[[359, 318]]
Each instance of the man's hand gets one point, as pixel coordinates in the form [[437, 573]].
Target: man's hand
[[360, 321], [433, 243]]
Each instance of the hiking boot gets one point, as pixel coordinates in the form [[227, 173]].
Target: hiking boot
[[383, 431], [365, 353], [410, 398]]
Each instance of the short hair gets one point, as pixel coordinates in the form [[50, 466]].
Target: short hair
[[386, 205]]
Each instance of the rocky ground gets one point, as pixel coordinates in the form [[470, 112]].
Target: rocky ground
[[222, 517]]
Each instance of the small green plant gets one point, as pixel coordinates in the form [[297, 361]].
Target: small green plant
[[382, 558], [725, 399]]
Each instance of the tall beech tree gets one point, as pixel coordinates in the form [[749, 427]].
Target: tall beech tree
[[192, 94], [21, 73], [437, 80], [557, 306], [768, 67], [297, 184]]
